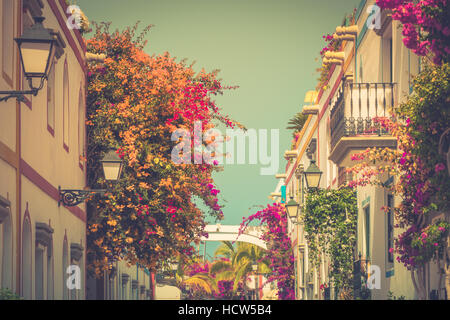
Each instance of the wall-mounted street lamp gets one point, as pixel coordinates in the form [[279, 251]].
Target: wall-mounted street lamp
[[36, 48], [292, 208], [313, 175], [112, 168], [255, 269]]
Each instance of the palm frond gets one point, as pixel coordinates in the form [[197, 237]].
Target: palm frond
[[241, 274], [226, 249], [241, 256], [297, 122], [219, 266], [202, 281], [225, 275]]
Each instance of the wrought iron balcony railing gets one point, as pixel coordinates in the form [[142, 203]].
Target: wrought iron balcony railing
[[361, 271], [355, 108]]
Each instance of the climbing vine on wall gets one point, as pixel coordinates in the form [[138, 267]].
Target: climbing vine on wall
[[330, 221]]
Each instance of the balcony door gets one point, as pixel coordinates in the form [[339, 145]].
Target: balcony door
[[387, 56]]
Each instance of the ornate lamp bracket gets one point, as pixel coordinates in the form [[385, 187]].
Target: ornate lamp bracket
[[72, 198]]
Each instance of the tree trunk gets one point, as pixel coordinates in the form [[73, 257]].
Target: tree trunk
[[418, 282], [447, 270]]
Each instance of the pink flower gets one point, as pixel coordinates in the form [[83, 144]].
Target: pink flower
[[439, 167], [408, 122]]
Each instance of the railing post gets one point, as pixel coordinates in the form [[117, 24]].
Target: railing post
[[357, 279], [392, 96], [368, 101], [351, 122]]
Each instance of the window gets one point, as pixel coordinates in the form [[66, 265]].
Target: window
[[390, 228], [73, 292], [6, 249], [76, 260], [367, 231], [119, 288], [39, 272], [26, 260], [8, 43], [81, 128], [50, 292], [66, 107], [51, 99], [387, 56], [361, 69], [65, 265], [124, 291], [81, 293], [133, 290], [110, 288], [125, 280]]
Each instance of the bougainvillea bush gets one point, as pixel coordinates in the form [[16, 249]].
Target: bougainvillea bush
[[273, 219], [425, 25], [134, 104], [420, 176]]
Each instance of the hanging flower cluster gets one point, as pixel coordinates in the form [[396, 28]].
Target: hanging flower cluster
[[430, 241], [425, 25], [198, 268], [134, 104], [331, 45], [274, 221], [225, 289]]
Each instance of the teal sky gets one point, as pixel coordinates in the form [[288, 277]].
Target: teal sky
[[267, 47]]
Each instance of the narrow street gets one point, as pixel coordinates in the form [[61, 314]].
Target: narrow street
[[243, 151]]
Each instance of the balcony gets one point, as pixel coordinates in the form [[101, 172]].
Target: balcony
[[352, 119]]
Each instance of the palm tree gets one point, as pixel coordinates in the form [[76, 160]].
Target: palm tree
[[226, 249], [297, 123], [231, 264], [201, 282], [197, 283], [246, 255], [242, 259]]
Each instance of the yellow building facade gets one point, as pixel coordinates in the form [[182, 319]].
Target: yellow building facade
[[42, 145]]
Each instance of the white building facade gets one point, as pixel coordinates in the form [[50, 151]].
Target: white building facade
[[372, 75]]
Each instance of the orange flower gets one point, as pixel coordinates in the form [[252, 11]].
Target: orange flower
[[129, 240]]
